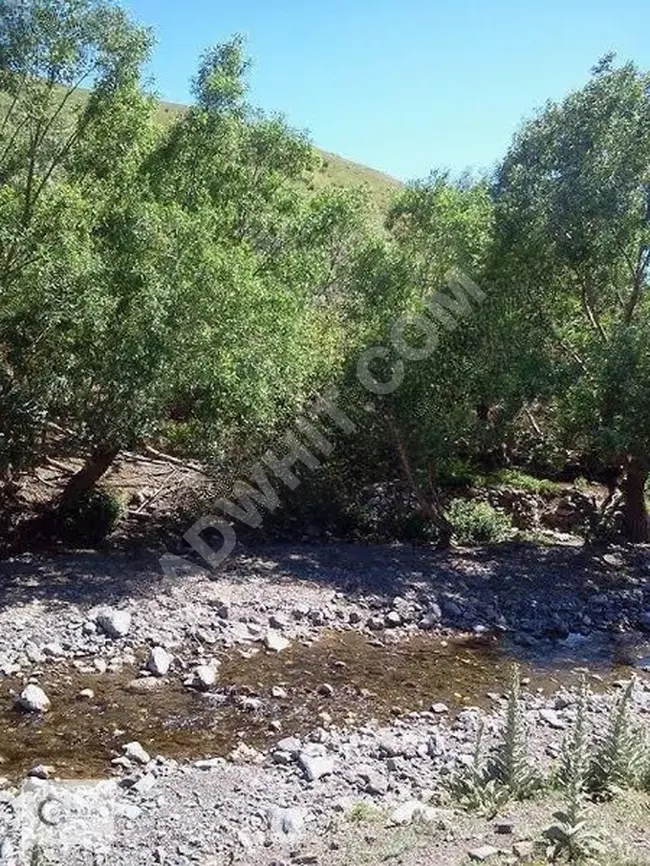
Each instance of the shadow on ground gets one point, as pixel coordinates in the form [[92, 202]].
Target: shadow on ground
[[516, 580]]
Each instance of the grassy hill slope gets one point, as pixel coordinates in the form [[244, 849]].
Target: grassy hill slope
[[335, 169]]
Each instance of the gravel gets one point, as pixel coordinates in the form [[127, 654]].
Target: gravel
[[296, 798]]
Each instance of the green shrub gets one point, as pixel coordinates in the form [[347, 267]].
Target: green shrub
[[477, 522], [571, 837], [511, 766], [460, 473], [522, 481], [473, 786], [621, 760], [91, 518]]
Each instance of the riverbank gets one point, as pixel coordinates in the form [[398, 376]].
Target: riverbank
[[310, 699]]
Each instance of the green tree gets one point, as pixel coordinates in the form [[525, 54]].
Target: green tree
[[49, 50], [429, 412], [572, 261], [267, 261]]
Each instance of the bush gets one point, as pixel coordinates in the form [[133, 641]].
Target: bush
[[477, 522], [511, 766], [523, 481], [91, 518]]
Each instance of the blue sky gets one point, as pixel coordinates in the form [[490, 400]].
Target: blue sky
[[401, 85]]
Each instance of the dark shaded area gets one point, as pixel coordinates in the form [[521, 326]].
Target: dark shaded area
[[512, 587]]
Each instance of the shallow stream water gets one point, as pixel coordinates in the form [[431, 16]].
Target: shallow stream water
[[370, 679]]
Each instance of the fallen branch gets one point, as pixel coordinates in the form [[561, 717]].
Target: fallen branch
[[188, 464], [533, 423], [45, 480], [67, 470], [157, 492]]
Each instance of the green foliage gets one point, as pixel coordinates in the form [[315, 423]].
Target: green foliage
[[487, 784], [154, 278], [57, 196], [474, 787], [522, 481], [477, 522], [90, 518], [363, 812], [460, 473], [196, 280], [574, 768], [622, 757], [511, 766], [433, 227], [572, 267], [572, 837]]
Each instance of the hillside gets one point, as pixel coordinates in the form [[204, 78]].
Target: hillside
[[335, 169]]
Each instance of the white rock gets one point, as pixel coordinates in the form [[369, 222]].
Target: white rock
[[34, 700], [374, 782], [279, 692], [552, 719], [115, 623], [245, 839], [289, 744], [209, 763], [88, 694], [159, 661], [285, 822], [205, 676], [483, 853], [128, 810], [245, 754], [54, 649], [33, 653], [275, 641], [523, 850], [145, 783], [279, 621], [315, 763], [413, 810], [144, 685], [135, 752], [439, 708]]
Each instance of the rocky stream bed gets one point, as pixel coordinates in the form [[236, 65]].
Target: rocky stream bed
[[306, 703]]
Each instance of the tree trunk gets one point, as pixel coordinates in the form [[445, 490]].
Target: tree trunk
[[85, 479], [637, 525], [428, 506]]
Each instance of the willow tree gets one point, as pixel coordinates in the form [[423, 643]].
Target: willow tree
[[416, 308], [68, 69], [259, 323], [573, 260]]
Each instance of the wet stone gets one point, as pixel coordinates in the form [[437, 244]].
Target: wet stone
[[369, 678]]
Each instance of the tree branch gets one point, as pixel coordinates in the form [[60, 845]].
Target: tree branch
[[589, 310]]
